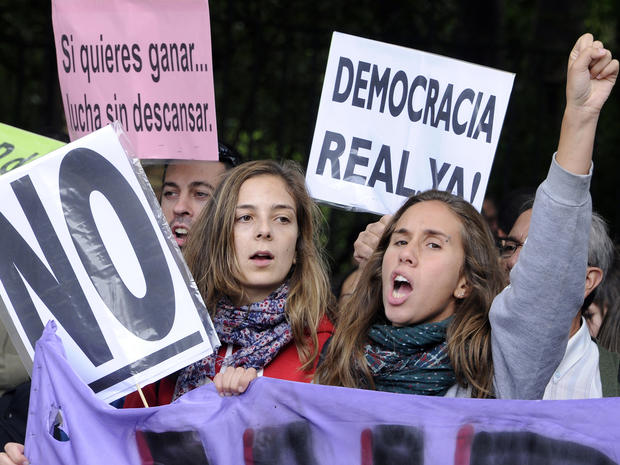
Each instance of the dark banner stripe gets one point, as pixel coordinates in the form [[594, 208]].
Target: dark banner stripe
[[147, 362]]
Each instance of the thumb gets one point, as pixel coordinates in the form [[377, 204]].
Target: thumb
[[584, 42]]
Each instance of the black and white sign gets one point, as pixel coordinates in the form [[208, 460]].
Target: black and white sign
[[394, 121], [83, 242]]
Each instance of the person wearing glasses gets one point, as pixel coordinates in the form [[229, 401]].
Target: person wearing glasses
[[587, 369], [510, 246]]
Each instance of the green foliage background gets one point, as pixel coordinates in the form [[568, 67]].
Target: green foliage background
[[270, 56]]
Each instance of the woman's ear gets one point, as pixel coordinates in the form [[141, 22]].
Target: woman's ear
[[462, 289]]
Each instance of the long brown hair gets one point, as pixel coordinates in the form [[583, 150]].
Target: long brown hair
[[469, 332], [210, 252]]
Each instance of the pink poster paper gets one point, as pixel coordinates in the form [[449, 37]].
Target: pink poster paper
[[146, 64]]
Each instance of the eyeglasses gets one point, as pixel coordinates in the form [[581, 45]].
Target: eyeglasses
[[507, 247]]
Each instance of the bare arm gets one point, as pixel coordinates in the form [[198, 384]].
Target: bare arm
[[531, 318], [591, 75]]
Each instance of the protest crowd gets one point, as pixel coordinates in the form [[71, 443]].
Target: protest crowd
[[443, 302]]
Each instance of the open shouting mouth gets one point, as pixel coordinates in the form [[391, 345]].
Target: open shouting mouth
[[180, 234], [401, 288]]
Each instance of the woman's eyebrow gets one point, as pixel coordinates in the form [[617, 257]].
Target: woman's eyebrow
[[426, 232], [273, 207], [285, 206], [434, 232]]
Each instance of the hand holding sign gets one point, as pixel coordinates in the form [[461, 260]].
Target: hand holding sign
[[13, 454], [233, 381], [368, 239]]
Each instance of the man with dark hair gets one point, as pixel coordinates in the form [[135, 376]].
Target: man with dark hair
[[188, 185]]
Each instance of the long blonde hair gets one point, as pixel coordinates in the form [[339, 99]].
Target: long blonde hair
[[469, 332], [210, 253]]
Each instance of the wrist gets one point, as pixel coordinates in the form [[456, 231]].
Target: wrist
[[577, 139], [580, 115]]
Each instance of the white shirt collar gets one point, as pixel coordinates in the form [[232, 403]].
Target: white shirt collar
[[576, 349]]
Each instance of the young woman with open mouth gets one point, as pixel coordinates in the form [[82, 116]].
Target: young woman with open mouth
[[254, 254], [427, 315]]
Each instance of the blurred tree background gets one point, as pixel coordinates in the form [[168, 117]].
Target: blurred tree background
[[269, 58]]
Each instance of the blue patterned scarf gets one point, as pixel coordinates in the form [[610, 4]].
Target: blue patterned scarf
[[260, 329], [410, 359]]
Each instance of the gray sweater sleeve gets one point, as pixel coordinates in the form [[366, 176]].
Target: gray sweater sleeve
[[531, 318]]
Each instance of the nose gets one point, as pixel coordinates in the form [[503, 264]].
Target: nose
[[263, 229], [182, 206], [408, 255]]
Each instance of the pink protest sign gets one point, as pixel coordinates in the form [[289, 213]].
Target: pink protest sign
[[146, 64]]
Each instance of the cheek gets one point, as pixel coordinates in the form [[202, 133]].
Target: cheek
[[196, 205], [293, 238], [166, 208], [238, 241], [450, 272], [388, 264], [200, 202], [389, 260], [291, 250]]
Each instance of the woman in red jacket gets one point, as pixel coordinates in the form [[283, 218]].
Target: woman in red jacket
[[255, 256]]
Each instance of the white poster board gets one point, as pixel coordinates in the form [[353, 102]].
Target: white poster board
[[84, 243], [394, 121]]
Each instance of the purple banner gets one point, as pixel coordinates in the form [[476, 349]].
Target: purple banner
[[280, 422]]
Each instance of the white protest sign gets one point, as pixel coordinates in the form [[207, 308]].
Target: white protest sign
[[84, 243], [395, 121]]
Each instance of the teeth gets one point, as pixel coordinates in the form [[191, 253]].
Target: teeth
[[396, 294], [181, 231], [399, 280]]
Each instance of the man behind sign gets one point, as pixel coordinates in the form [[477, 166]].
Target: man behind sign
[[188, 185]]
